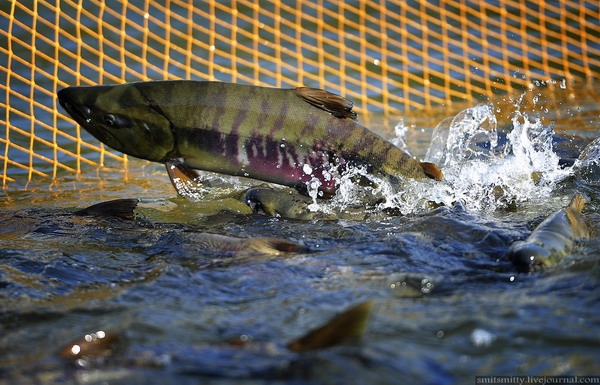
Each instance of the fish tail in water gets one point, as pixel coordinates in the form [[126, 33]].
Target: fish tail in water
[[120, 208], [346, 327], [552, 239]]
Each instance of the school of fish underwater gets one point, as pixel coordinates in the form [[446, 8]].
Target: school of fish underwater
[[158, 276]]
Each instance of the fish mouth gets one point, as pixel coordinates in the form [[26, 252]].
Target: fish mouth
[[78, 111], [82, 115]]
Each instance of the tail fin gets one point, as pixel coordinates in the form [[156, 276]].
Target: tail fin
[[121, 208], [348, 326], [431, 170]]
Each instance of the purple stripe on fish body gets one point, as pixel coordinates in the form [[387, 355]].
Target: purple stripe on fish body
[[231, 147], [272, 150]]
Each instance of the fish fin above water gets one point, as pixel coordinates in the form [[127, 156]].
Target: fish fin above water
[[431, 170], [578, 202], [336, 105], [182, 178], [573, 211], [348, 326], [120, 208]]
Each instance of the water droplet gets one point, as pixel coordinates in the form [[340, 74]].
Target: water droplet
[[307, 169], [563, 84], [75, 349], [482, 338]]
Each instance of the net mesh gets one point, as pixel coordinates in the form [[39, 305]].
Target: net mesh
[[385, 55]]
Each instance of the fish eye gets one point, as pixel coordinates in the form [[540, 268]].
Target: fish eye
[[110, 120], [116, 121]]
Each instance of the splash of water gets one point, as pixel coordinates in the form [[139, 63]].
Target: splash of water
[[484, 173], [484, 169], [587, 166]]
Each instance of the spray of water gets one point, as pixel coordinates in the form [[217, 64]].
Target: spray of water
[[587, 167], [481, 171]]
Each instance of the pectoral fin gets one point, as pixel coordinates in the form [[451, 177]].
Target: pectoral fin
[[336, 105], [348, 326], [182, 178]]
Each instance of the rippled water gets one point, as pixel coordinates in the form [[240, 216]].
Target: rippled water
[[448, 306]]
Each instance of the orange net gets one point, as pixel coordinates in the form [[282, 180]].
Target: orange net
[[386, 56]]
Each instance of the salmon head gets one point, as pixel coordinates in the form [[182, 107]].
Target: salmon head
[[122, 117]]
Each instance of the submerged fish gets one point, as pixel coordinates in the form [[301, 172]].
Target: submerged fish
[[284, 203], [291, 137], [552, 239], [91, 346], [124, 209]]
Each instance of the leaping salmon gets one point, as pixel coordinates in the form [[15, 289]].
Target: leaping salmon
[[290, 137]]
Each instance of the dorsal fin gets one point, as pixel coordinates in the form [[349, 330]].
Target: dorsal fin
[[348, 326], [577, 203], [336, 105], [121, 208]]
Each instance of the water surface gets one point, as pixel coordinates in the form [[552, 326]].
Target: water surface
[[448, 306]]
